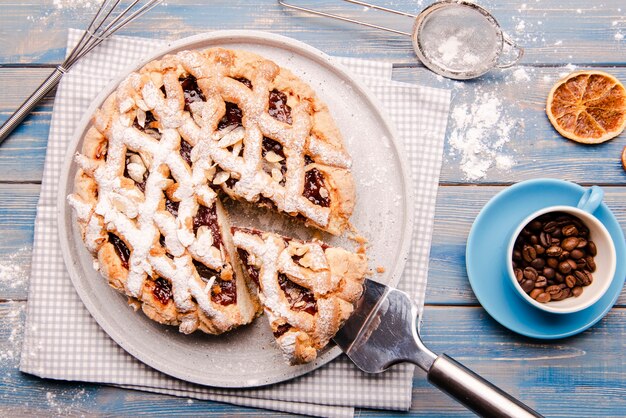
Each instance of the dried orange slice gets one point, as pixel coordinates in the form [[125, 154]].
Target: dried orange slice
[[588, 107]]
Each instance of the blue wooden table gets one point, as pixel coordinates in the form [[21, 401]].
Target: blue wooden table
[[583, 375]]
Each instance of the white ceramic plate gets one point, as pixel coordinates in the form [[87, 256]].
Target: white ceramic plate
[[248, 356]]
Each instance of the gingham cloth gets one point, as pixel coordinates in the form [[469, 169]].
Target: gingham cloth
[[63, 341]]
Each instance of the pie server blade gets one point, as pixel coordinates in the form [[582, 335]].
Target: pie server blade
[[382, 331]]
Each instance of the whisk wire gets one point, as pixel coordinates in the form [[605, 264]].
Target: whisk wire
[[105, 23]]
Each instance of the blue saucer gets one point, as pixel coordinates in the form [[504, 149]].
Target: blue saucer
[[486, 269]]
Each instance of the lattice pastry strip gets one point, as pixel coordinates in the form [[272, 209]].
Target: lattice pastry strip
[[158, 232], [307, 288], [274, 142]]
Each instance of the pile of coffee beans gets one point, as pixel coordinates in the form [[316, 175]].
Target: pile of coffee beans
[[553, 257]]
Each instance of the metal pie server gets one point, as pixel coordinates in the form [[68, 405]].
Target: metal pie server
[[382, 331]]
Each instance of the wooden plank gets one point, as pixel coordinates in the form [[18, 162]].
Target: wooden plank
[[532, 142], [551, 31], [17, 218], [457, 207], [23, 153], [579, 376], [508, 107]]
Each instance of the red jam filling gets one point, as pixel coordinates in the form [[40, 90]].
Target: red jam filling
[[191, 90], [313, 183], [162, 290], [278, 107], [141, 185], [233, 116], [185, 151], [251, 270], [148, 122], [223, 292], [300, 298], [208, 217], [120, 249], [245, 82], [281, 329], [171, 206], [275, 146]]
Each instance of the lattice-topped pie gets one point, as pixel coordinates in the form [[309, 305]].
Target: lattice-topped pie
[[307, 288], [162, 149]]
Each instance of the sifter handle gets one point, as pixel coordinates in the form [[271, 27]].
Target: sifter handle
[[519, 53], [474, 392]]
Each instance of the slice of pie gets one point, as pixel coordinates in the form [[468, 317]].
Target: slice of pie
[[157, 231], [308, 289]]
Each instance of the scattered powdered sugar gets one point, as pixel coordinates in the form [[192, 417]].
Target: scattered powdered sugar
[[73, 4], [12, 319], [478, 133], [14, 272]]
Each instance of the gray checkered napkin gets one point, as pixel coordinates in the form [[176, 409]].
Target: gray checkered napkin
[[63, 341]]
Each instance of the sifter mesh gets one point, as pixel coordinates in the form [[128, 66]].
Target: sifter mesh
[[457, 40]]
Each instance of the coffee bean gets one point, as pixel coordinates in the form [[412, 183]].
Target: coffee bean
[[558, 277], [577, 253], [519, 275], [554, 291], [530, 273], [534, 240], [517, 255], [554, 251], [564, 256], [591, 247], [538, 263], [535, 292], [570, 280], [550, 227], [543, 297], [565, 267], [544, 239], [535, 225], [581, 264], [552, 262], [563, 294], [539, 249], [583, 278], [528, 285], [529, 253], [569, 230], [548, 272], [569, 243], [541, 281], [590, 263], [582, 243], [572, 263], [577, 291]]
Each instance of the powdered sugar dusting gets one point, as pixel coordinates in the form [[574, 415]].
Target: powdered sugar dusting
[[14, 272], [479, 132]]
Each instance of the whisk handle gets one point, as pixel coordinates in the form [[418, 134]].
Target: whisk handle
[[30, 103]]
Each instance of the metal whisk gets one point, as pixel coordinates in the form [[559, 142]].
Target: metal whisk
[[111, 16]]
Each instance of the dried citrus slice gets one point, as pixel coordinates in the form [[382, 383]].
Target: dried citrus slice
[[588, 107]]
